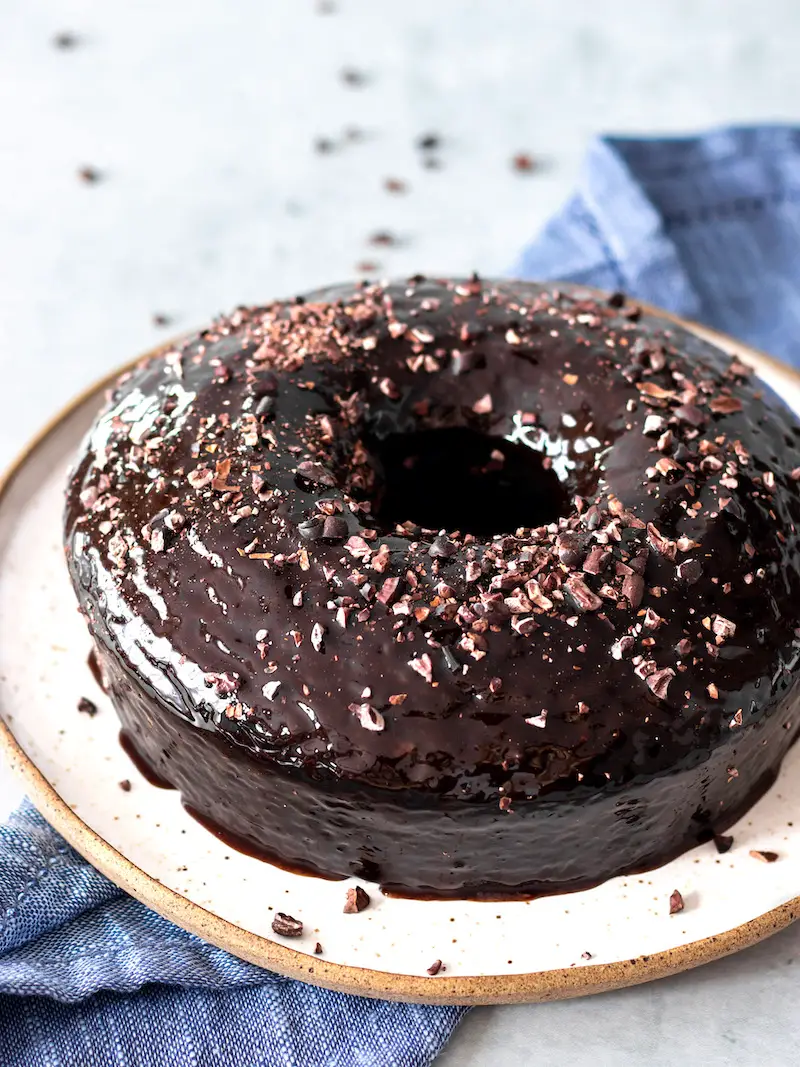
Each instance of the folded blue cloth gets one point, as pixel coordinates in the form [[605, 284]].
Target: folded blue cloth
[[100, 979], [708, 227]]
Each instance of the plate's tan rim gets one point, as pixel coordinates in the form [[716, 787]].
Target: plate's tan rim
[[486, 989]]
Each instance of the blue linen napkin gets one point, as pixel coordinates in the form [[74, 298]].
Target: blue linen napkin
[[90, 977], [708, 227]]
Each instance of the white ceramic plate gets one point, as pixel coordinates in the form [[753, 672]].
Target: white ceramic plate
[[145, 840]]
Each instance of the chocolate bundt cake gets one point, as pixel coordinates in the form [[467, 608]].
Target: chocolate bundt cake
[[466, 587]]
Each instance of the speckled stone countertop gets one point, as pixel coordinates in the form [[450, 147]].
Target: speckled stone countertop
[[243, 153]]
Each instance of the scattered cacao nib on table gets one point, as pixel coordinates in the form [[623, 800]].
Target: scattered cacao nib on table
[[523, 163], [353, 78], [89, 175], [436, 968], [125, 785], [66, 41], [382, 239], [429, 142], [675, 902], [765, 856], [351, 135], [427, 145]]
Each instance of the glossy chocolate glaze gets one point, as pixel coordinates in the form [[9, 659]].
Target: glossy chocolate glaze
[[448, 714]]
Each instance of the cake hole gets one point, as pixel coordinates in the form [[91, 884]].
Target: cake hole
[[459, 479]]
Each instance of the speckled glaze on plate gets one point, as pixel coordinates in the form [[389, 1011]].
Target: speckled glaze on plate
[[616, 934]]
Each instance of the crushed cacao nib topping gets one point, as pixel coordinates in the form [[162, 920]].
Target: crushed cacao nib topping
[[423, 666], [584, 598], [725, 405], [658, 682], [224, 682], [689, 571], [369, 717]]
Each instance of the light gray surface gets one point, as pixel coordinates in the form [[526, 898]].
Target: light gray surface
[[202, 116], [739, 1012]]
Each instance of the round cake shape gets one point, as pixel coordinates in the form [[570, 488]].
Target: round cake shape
[[465, 587]]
